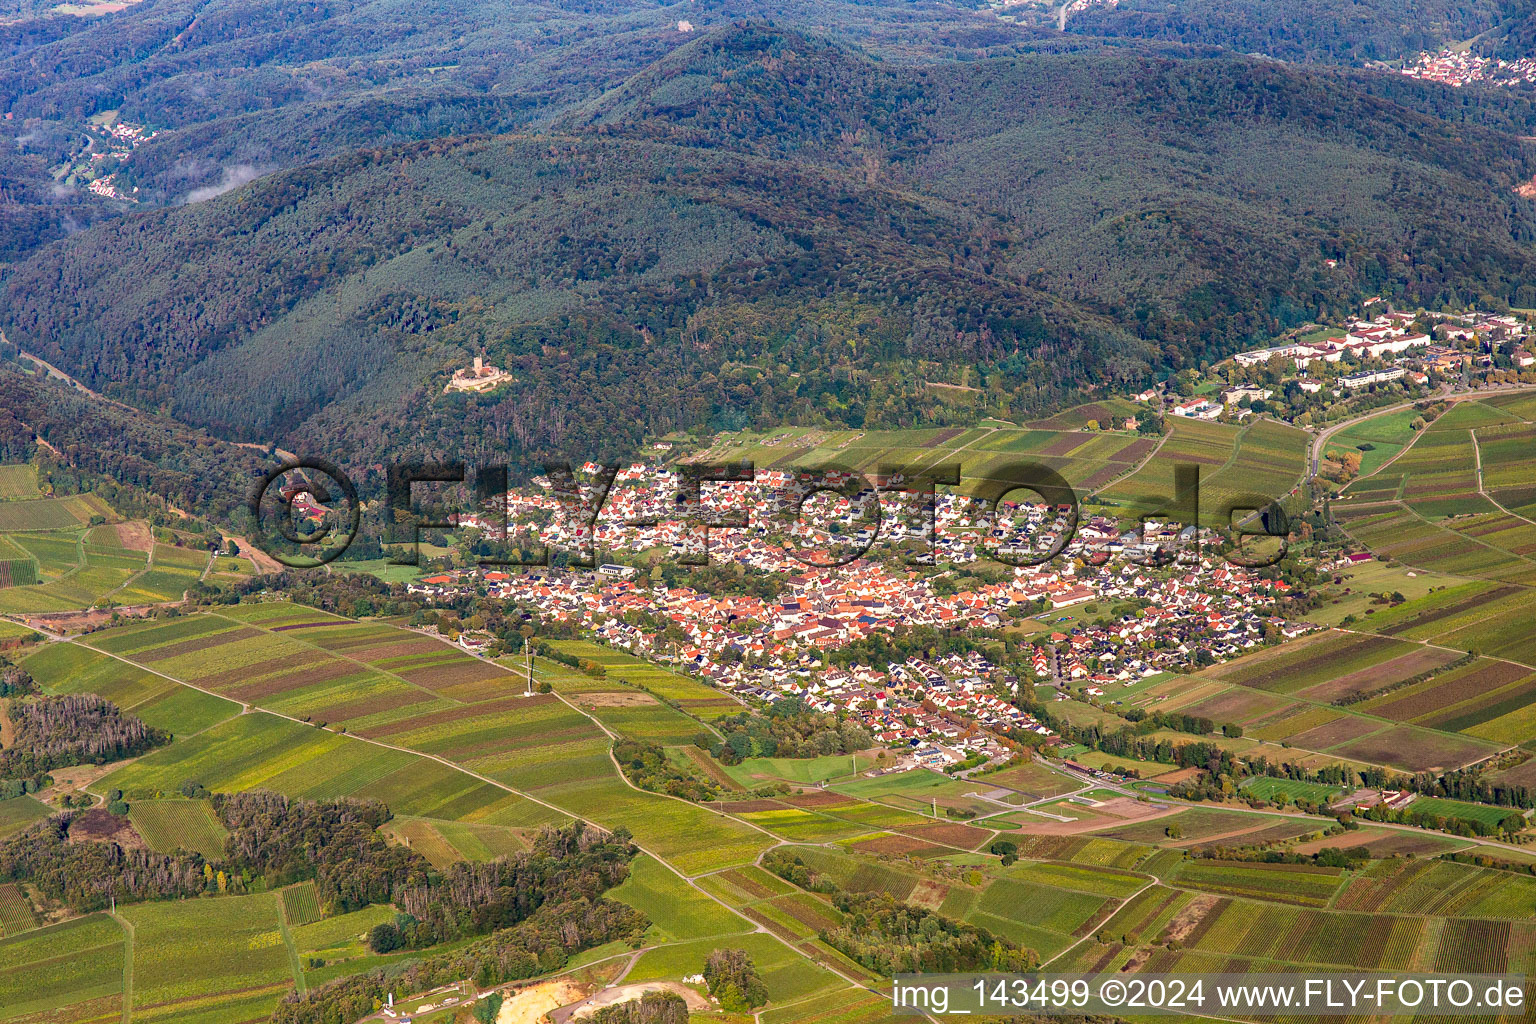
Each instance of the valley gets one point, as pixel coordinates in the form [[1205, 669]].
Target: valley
[[639, 512]]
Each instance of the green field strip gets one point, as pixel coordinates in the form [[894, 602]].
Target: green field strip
[[127, 967], [676, 828], [293, 953]]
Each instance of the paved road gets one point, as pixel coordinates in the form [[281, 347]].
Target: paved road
[[1447, 394]]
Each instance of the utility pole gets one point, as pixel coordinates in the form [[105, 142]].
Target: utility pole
[[528, 655]]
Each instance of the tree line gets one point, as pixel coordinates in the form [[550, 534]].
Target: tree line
[[786, 728], [56, 732]]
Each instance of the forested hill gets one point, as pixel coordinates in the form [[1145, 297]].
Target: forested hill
[[1332, 31], [766, 224], [1196, 199], [630, 286], [237, 88]]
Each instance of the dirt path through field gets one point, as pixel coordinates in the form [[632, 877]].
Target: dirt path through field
[[128, 936], [263, 561]]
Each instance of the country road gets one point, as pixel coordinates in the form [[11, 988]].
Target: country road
[[1452, 395]]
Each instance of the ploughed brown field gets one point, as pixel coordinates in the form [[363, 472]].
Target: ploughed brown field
[[1367, 680], [1451, 689], [1414, 750]]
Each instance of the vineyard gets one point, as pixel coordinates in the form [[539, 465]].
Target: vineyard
[[470, 764]]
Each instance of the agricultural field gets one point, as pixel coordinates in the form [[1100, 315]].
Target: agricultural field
[[678, 911], [1294, 935], [19, 482], [1376, 440], [639, 716], [194, 955], [470, 765], [429, 699], [1038, 916], [685, 693], [288, 670], [1191, 825], [16, 914], [301, 904], [169, 825], [462, 840], [1455, 548], [1462, 809], [1294, 789], [1088, 460], [337, 941], [802, 826], [755, 771], [1311, 661], [844, 1006], [1442, 888], [19, 812], [71, 572], [1281, 883], [1355, 598], [1032, 781], [48, 513], [230, 569], [163, 581], [1489, 701], [786, 972], [1037, 905], [919, 790], [1451, 708], [69, 972], [1096, 881], [1241, 467], [1083, 850], [1452, 500], [70, 668], [258, 751], [1383, 842]]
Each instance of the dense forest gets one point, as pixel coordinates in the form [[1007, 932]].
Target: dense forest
[[56, 732], [1335, 31], [647, 766], [233, 89], [539, 945], [15, 681], [88, 876], [765, 225], [785, 729], [564, 864], [892, 937], [650, 1008], [732, 978], [337, 844], [122, 454]]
